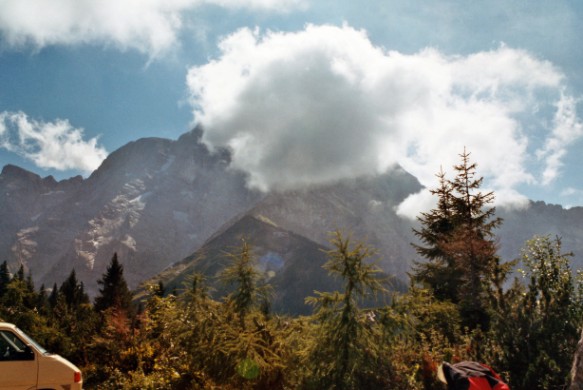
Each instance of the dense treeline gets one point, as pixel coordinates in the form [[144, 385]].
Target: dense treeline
[[461, 305]]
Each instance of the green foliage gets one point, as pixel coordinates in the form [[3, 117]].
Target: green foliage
[[422, 331], [74, 317], [18, 302], [538, 331], [249, 292], [346, 351], [251, 349], [192, 341]]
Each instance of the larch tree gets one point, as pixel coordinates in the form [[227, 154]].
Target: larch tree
[[346, 350], [252, 350], [242, 274]]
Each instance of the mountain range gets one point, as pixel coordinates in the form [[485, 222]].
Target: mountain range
[[169, 206]]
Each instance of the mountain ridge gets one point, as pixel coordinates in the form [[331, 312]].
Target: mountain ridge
[[151, 200], [156, 201]]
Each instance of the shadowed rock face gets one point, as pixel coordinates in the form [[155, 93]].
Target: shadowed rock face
[[290, 263], [157, 201], [24, 198]]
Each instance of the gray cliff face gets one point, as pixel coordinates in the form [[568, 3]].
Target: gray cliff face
[[154, 201], [25, 198]]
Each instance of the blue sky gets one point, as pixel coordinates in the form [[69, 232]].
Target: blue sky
[[303, 92]]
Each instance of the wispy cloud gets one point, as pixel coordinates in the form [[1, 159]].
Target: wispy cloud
[[150, 26], [324, 103], [566, 128], [55, 145]]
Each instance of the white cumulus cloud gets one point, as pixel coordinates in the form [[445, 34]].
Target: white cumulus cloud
[[150, 26], [324, 103], [55, 145]]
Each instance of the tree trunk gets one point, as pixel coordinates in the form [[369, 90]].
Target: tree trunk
[[577, 370]]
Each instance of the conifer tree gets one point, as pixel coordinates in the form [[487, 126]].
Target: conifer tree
[[160, 289], [250, 352], [114, 292], [42, 301], [199, 331], [73, 291], [460, 245], [346, 349], [20, 273], [18, 304], [249, 293], [4, 278], [473, 247], [116, 339], [439, 272], [53, 297]]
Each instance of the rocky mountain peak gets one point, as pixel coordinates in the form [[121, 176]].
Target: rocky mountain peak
[[156, 201], [20, 177], [153, 201]]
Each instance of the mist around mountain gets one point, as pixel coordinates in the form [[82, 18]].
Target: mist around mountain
[[158, 203]]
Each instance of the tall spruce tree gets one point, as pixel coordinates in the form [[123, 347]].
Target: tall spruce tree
[[474, 246], [459, 244], [114, 292], [42, 301], [20, 273], [439, 272], [53, 296], [74, 291]]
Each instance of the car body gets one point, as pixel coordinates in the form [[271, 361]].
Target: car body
[[26, 365]]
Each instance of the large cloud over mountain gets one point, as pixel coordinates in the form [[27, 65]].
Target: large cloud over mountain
[[325, 103]]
